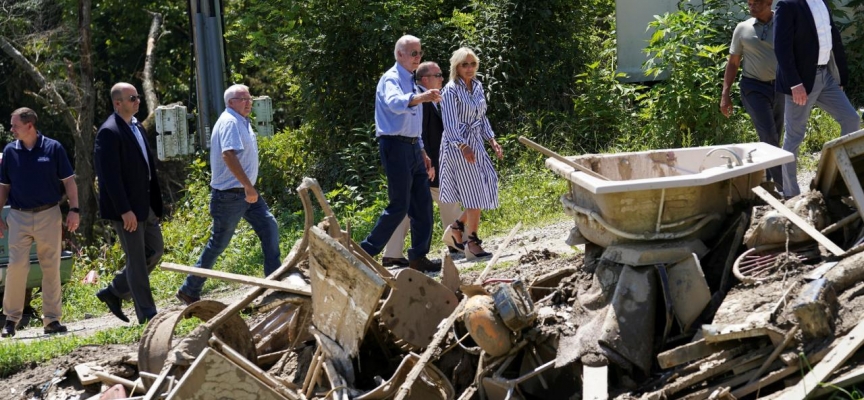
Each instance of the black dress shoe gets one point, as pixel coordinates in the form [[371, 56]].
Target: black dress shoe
[[394, 262], [424, 264], [185, 298], [8, 329], [54, 327], [113, 302]]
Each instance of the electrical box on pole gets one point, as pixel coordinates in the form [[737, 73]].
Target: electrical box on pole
[[209, 64], [173, 138], [262, 109]]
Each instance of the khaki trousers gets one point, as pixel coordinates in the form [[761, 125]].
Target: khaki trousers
[[449, 212], [46, 229]]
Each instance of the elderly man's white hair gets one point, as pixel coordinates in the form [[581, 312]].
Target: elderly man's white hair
[[232, 91], [402, 42]]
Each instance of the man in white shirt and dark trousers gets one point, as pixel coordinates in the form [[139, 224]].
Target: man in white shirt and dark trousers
[[810, 61]]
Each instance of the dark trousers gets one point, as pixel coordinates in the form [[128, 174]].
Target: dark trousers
[[143, 249], [766, 108], [408, 192]]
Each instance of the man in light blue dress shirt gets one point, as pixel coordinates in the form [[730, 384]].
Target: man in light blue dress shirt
[[398, 126], [234, 164]]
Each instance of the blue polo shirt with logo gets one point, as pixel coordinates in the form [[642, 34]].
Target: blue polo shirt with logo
[[35, 175]]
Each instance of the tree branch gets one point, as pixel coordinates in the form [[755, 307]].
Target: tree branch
[[47, 87], [152, 38]]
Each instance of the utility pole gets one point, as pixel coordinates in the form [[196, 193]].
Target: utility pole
[[209, 64]]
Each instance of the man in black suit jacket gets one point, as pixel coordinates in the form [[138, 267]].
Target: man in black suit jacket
[[129, 197], [810, 61]]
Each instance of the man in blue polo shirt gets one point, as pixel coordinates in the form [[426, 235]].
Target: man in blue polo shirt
[[33, 174], [234, 167], [398, 126]]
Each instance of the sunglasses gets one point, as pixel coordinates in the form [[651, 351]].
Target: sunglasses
[[416, 53], [243, 99], [438, 75], [469, 64], [132, 98]]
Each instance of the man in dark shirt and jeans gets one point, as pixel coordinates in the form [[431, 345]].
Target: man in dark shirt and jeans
[[34, 172]]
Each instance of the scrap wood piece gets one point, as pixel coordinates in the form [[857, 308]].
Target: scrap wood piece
[[853, 377], [847, 171], [728, 361], [847, 346], [444, 327], [798, 221], [244, 279], [776, 353], [215, 376], [85, 373], [692, 351], [345, 291], [722, 333], [778, 375]]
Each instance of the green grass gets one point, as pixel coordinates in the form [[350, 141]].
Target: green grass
[[16, 354]]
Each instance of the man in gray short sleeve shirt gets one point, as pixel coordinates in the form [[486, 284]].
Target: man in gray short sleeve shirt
[[752, 50]]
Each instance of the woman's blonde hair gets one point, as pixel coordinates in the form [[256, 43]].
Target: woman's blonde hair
[[458, 57]]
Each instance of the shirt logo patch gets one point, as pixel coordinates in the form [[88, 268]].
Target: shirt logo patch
[[43, 159]]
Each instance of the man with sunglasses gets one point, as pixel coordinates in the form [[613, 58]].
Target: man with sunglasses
[[428, 76], [234, 167], [398, 126], [130, 199], [811, 70], [753, 49]]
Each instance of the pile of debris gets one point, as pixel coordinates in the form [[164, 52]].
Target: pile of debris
[[687, 314]]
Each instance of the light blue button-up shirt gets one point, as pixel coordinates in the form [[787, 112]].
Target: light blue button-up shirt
[[393, 116], [232, 131]]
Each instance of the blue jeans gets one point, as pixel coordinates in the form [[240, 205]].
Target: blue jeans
[[227, 208], [408, 192], [766, 108], [830, 98]]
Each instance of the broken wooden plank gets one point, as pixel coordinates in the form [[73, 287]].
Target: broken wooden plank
[[595, 382], [690, 352], [85, 373], [798, 221], [776, 353], [345, 291], [847, 171], [244, 279], [722, 333], [847, 346], [853, 377], [777, 375], [214, 376]]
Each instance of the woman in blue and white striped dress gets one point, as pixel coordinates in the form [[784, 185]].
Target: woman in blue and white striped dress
[[467, 174]]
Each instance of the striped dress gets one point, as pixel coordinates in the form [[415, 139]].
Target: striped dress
[[464, 114]]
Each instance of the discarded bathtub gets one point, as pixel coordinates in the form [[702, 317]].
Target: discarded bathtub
[[661, 194]]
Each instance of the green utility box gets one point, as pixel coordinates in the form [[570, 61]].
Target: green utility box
[[34, 279]]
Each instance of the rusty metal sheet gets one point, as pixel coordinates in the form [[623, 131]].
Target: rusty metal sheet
[[345, 292], [416, 306], [213, 376]]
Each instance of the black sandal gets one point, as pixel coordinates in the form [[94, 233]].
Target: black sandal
[[472, 238], [450, 240]]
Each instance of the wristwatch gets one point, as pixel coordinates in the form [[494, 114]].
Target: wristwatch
[[75, 210]]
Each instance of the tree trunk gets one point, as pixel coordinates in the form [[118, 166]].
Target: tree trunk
[[85, 131], [147, 81]]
